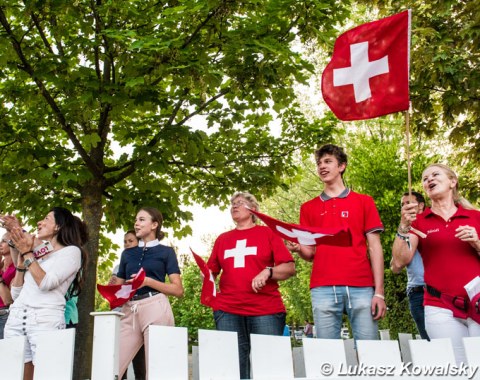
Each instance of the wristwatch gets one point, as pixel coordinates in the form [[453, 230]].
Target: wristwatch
[[271, 272], [29, 262]]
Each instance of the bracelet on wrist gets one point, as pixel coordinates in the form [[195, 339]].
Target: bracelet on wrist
[[405, 238], [26, 253], [403, 230], [378, 295], [21, 270]]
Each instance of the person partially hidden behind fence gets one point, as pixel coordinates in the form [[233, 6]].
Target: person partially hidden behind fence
[[344, 280], [46, 267], [251, 260], [415, 280], [446, 235], [150, 304]]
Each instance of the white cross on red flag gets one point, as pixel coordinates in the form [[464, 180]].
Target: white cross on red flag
[[307, 235], [209, 291], [117, 295], [368, 74]]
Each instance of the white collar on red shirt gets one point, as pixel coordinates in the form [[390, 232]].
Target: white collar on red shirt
[[149, 244], [343, 194]]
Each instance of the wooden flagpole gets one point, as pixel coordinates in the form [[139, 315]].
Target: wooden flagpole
[[409, 165]]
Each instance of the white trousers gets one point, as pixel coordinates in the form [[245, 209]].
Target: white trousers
[[440, 323]]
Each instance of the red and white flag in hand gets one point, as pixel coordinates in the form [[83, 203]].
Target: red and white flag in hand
[[307, 235], [368, 74], [117, 295], [209, 291]]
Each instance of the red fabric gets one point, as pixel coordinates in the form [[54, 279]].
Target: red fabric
[[209, 291], [236, 295], [7, 275], [339, 236], [348, 266], [117, 295], [382, 83], [449, 262]]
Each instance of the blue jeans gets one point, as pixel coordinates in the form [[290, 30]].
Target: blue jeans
[[415, 301], [272, 324], [3, 321], [329, 303]]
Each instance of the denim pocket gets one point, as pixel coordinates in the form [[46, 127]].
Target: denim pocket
[[218, 315]]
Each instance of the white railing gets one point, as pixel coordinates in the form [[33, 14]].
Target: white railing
[[216, 356]]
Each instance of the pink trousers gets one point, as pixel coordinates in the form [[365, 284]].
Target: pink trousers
[[139, 315]]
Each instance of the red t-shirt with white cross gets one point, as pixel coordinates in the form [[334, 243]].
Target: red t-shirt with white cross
[[240, 255], [347, 266]]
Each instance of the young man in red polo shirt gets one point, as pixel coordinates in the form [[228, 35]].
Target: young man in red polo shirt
[[344, 279]]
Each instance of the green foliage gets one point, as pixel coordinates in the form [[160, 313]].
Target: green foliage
[[398, 318]]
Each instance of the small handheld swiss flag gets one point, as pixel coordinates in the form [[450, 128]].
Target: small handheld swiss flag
[[368, 74], [307, 235], [117, 295]]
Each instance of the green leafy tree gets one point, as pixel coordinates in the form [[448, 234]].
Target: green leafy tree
[[106, 106]]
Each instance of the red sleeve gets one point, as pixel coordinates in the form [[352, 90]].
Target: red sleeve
[[281, 254], [373, 223]]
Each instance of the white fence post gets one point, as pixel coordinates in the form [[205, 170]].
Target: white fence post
[[12, 353], [218, 355], [167, 353], [106, 334], [271, 357], [54, 356], [321, 352]]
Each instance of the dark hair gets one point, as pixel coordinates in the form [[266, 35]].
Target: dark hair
[[419, 197], [156, 217], [131, 232], [72, 231], [332, 150]]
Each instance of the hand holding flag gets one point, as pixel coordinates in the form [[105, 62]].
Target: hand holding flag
[[307, 235], [117, 295], [209, 291]]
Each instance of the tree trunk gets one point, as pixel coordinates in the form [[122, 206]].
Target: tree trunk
[[92, 215]]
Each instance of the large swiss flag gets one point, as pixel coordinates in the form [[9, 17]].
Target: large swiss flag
[[368, 74]]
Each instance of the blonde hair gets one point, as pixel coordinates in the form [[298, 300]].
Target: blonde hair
[[252, 201], [457, 198]]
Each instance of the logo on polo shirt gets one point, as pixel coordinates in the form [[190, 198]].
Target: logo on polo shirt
[[344, 214], [432, 231]]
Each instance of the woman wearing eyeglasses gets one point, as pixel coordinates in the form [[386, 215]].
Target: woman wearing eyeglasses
[[250, 260]]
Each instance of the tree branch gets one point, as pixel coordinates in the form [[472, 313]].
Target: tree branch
[[25, 66], [36, 21], [203, 106]]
